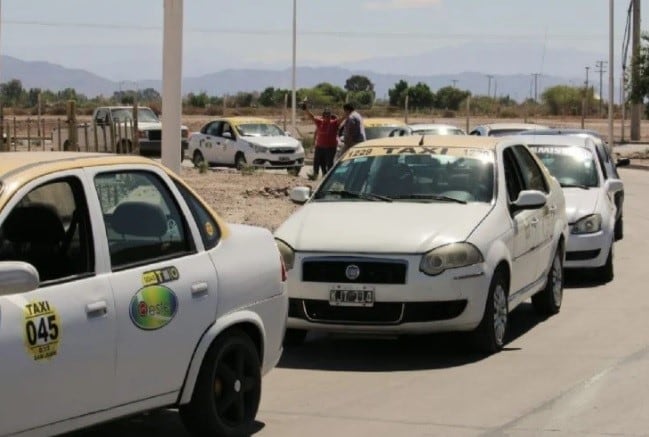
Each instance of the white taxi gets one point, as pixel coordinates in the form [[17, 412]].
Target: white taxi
[[240, 141], [425, 234], [121, 291], [590, 199]]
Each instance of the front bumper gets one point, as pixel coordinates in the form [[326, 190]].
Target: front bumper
[[588, 250], [275, 160], [452, 301], [154, 147]]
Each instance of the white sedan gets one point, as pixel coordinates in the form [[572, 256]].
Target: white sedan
[[121, 291], [425, 234], [590, 199], [241, 141]]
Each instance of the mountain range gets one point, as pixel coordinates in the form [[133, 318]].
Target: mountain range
[[510, 66]]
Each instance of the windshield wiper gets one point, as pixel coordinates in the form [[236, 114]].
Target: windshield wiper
[[364, 196], [431, 197], [582, 186]]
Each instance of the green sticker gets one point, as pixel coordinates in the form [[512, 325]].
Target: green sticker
[[153, 307]]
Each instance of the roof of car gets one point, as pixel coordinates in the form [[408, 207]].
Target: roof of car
[[462, 141], [432, 126], [493, 126], [555, 140], [247, 120], [569, 131], [382, 121]]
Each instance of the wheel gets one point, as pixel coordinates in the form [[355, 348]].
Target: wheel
[[294, 337], [490, 334], [239, 161], [619, 229], [548, 300], [606, 273], [294, 171], [228, 389], [198, 159]]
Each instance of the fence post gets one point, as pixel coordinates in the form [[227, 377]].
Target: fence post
[[135, 148], [112, 136], [3, 145], [94, 134], [40, 132], [29, 134], [406, 107], [42, 127], [73, 138], [468, 113], [15, 139], [104, 135], [285, 109], [85, 135], [58, 132]]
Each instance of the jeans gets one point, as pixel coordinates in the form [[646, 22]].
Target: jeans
[[323, 159]]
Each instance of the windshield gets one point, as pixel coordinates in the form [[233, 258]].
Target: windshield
[[414, 174], [504, 132], [144, 115], [439, 131], [570, 165], [379, 131], [259, 130]]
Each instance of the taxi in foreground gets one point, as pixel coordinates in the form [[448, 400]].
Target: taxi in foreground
[[241, 141], [424, 234], [590, 198], [121, 291]]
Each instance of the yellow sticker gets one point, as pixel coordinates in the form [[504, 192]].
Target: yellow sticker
[[160, 276], [209, 229], [42, 330]]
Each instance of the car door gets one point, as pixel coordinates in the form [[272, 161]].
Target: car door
[[165, 285], [57, 341], [523, 254], [228, 143], [542, 219], [207, 142]]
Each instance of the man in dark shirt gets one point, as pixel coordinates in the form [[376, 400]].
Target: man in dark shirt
[[353, 129]]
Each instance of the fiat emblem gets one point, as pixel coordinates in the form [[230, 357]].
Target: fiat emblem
[[352, 272]]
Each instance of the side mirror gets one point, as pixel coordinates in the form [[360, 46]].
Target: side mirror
[[623, 162], [529, 199], [614, 185], [300, 194], [17, 277]]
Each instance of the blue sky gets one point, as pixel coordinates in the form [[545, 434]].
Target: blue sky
[[122, 39]]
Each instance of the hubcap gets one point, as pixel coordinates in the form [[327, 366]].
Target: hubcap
[[500, 314], [557, 281]]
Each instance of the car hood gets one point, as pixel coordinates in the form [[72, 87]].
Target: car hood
[[275, 141], [379, 227], [580, 203]]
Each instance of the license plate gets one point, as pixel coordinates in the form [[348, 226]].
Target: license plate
[[284, 158], [352, 297]]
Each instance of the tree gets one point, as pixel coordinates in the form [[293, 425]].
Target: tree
[[420, 96], [361, 98], [200, 100], [563, 99], [12, 92], [358, 83], [267, 97], [450, 97], [32, 97], [335, 93], [149, 95], [397, 95]]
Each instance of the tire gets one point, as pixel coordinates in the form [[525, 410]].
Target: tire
[[228, 389], [294, 171], [294, 337], [489, 336], [619, 229], [198, 159], [548, 301], [606, 273], [239, 161]]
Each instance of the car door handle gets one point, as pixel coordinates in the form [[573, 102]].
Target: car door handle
[[552, 208], [199, 288], [97, 309]]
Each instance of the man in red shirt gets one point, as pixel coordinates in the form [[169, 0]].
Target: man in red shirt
[[326, 140]]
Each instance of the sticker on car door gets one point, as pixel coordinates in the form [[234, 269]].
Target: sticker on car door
[[153, 307], [42, 330]]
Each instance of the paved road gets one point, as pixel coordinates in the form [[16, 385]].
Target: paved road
[[582, 372]]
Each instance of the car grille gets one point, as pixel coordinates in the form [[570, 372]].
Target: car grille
[[277, 150], [382, 313], [155, 135], [581, 255], [370, 272]]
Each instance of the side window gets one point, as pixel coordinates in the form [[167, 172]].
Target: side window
[[227, 130], [143, 222], [50, 229], [100, 116], [209, 229], [532, 175], [213, 129], [512, 175]]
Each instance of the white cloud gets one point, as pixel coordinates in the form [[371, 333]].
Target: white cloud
[[401, 4]]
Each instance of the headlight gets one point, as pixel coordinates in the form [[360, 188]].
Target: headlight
[[258, 149], [287, 252], [588, 225], [451, 256], [143, 134]]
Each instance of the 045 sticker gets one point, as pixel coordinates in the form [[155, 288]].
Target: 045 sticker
[[42, 330]]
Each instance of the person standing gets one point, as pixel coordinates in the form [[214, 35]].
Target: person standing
[[326, 140], [353, 129]]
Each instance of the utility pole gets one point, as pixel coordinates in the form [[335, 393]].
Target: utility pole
[[586, 94], [611, 78], [601, 70], [636, 107], [536, 86], [489, 76], [455, 81], [293, 91]]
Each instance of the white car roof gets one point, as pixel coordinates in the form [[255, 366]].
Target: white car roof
[[433, 126], [493, 126], [556, 140]]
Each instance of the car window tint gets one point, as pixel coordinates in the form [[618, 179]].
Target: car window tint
[[143, 222], [602, 158], [50, 229], [532, 175], [512, 175], [213, 129], [209, 229]]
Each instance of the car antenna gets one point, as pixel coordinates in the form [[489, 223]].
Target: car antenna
[[421, 142]]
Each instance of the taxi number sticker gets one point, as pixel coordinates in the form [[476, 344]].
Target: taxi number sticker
[[42, 330], [160, 276]]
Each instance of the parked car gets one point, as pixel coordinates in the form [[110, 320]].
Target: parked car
[[578, 166], [609, 166], [502, 129], [240, 141], [382, 127], [435, 129], [440, 233], [121, 291]]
